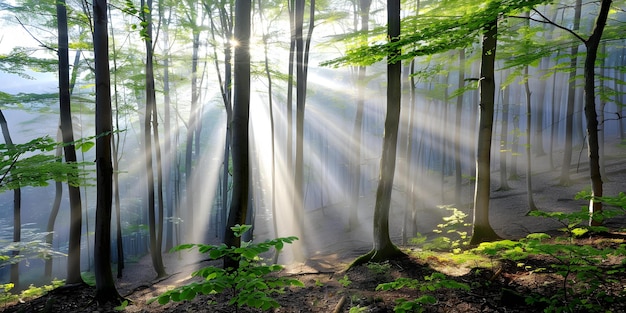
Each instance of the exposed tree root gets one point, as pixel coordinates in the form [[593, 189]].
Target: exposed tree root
[[388, 253]]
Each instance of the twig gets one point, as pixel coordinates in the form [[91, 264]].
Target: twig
[[340, 304], [33, 36], [548, 21]]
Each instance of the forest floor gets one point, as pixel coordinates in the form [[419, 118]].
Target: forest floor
[[494, 285]]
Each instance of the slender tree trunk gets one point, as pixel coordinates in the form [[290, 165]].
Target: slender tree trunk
[[302, 56], [571, 100], [67, 131], [529, 172], [115, 146], [192, 127], [273, 138], [54, 212], [59, 185], [592, 45], [409, 204], [504, 143], [555, 115], [167, 130], [226, 23], [601, 117], [383, 248], [155, 247], [17, 208], [482, 230], [240, 125], [105, 285], [458, 166], [357, 130]]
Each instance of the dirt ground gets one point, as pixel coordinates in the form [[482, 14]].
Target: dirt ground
[[495, 287]]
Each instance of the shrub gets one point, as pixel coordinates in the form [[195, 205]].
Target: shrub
[[250, 283]]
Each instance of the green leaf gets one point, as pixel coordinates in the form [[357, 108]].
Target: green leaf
[[85, 146]]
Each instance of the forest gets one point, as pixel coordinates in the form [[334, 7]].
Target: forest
[[313, 156]]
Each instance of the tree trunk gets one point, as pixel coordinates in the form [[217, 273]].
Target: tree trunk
[[458, 167], [504, 142], [105, 285], [115, 147], [272, 135], [481, 230], [155, 247], [529, 172], [167, 130], [192, 127], [67, 131], [592, 45], [17, 208], [240, 125], [54, 212], [383, 248], [571, 100], [357, 130], [302, 63]]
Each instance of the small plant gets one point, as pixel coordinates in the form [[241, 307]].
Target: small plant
[[250, 283], [453, 230], [379, 268], [122, 306], [345, 281], [5, 293], [580, 266], [358, 309], [32, 292], [433, 282]]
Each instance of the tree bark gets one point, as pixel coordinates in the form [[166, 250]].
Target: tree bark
[[458, 170], [17, 208], [67, 131], [155, 247], [571, 100], [529, 172], [481, 230], [105, 285], [383, 248], [240, 125], [364, 8], [592, 45]]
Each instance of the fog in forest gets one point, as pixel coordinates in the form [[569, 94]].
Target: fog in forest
[[436, 140]]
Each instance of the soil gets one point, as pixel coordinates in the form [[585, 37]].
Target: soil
[[495, 286]]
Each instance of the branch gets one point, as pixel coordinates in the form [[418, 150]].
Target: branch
[[548, 21], [9, 169], [33, 36]]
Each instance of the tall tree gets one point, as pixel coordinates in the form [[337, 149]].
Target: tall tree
[[384, 249], [17, 206], [155, 246], [504, 134], [240, 125], [481, 229], [592, 44], [67, 131], [105, 285], [364, 14], [302, 45], [193, 133], [571, 99], [458, 166], [529, 177]]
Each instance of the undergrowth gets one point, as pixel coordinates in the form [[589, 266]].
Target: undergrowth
[[585, 277], [250, 284]]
